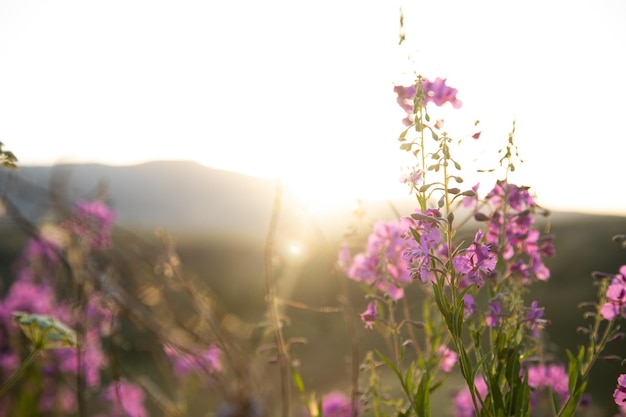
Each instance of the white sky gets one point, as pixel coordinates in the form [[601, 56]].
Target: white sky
[[303, 89]]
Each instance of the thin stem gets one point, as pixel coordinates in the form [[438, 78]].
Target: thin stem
[[272, 300], [354, 345], [19, 371]]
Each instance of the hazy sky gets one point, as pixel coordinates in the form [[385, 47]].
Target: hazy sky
[[303, 89]]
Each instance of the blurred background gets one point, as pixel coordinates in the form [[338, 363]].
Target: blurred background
[[187, 115], [302, 90]]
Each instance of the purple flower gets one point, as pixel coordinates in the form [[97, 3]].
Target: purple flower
[[616, 295], [470, 305], [336, 404], [533, 317], [370, 315], [126, 399], [56, 398], [414, 178], [512, 233], [472, 201], [344, 259], [448, 358], [405, 99], [420, 253], [93, 359], [463, 399], [382, 265], [92, 221], [551, 376], [477, 262], [495, 313], [619, 395], [439, 93], [199, 361], [434, 91]]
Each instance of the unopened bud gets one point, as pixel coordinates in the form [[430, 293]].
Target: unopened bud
[[617, 337], [620, 239], [480, 217], [582, 330], [612, 358], [586, 304], [600, 275]]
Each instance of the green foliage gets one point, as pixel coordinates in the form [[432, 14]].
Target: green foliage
[[7, 158]]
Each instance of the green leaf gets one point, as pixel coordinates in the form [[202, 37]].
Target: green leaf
[[390, 364], [422, 397]]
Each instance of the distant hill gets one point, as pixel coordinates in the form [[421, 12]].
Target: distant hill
[[186, 197], [177, 195]]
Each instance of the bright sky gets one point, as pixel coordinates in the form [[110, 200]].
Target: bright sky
[[302, 90]]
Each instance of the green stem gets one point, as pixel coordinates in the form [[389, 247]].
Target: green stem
[[19, 371]]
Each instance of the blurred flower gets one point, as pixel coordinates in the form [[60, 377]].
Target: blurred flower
[[405, 99], [448, 358], [534, 318], [92, 221], [616, 295], [463, 399], [56, 399], [200, 361], [434, 91], [551, 376], [126, 399], [495, 313], [336, 404], [370, 314], [619, 395], [344, 259], [413, 178], [439, 93], [382, 264], [470, 305]]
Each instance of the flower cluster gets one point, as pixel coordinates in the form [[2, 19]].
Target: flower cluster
[[92, 222], [202, 361], [616, 296], [382, 265], [473, 308], [435, 91], [34, 292]]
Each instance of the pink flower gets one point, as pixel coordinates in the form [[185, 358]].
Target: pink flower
[[434, 91], [463, 399], [549, 376], [439, 93], [448, 358], [619, 395], [199, 361], [126, 399], [370, 314], [477, 262], [382, 264], [616, 295], [495, 314], [336, 404], [92, 221]]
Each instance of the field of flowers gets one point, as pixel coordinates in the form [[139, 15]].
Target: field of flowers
[[95, 321]]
